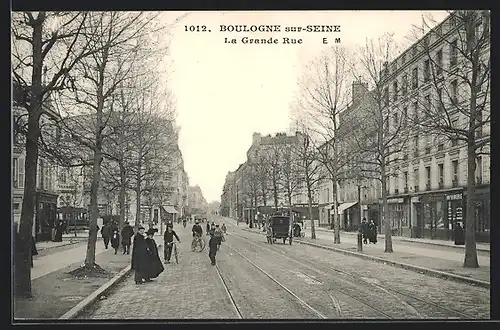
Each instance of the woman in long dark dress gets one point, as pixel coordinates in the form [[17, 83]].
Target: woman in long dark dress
[[372, 232], [154, 266], [115, 240], [140, 257]]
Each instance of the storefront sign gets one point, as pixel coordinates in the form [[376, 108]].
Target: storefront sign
[[393, 201], [415, 199], [454, 197], [432, 198]]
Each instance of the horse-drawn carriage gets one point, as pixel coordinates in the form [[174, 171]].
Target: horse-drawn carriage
[[280, 226]]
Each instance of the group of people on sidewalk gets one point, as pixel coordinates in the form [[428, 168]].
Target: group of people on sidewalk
[[145, 258], [111, 234], [369, 231], [216, 234]]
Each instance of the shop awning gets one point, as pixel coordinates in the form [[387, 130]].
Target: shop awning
[[329, 206], [170, 209], [345, 206]]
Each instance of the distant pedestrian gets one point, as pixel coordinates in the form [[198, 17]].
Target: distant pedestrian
[[364, 230], [208, 228], [224, 229], [115, 240], [127, 233], [140, 257], [59, 231], [459, 234], [372, 232], [218, 235], [154, 266], [168, 240], [269, 234], [106, 234], [212, 252]]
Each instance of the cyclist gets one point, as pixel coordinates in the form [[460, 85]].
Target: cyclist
[[218, 235], [168, 239]]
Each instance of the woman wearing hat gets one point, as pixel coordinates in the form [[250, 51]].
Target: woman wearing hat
[[140, 257], [154, 265]]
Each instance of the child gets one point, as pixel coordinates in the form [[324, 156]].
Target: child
[[269, 235]]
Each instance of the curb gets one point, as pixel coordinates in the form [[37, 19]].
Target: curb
[[78, 309], [423, 270], [430, 272], [403, 239], [53, 247]]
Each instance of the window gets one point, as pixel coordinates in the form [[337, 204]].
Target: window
[[427, 70], [428, 177], [395, 90], [405, 177], [454, 140], [415, 112], [403, 58], [439, 62], [428, 103], [386, 96], [453, 52], [440, 98], [454, 91], [415, 179], [479, 170], [405, 115], [454, 165], [405, 85], [441, 174], [479, 125], [15, 173], [414, 78], [395, 120], [415, 143], [63, 176]]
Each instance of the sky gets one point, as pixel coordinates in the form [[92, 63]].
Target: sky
[[225, 92]]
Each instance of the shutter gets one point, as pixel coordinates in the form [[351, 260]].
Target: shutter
[[21, 170]]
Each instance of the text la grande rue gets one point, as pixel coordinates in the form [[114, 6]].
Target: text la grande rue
[[261, 41]]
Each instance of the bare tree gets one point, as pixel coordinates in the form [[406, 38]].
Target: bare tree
[[251, 187], [273, 156], [459, 106], [379, 134], [95, 81], [262, 173], [50, 40], [324, 95], [309, 168], [291, 173]]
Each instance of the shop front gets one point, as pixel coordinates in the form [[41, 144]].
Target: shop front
[[45, 215], [482, 212], [399, 214], [325, 209]]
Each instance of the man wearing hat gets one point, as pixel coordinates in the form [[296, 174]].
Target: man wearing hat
[[139, 257], [127, 233]]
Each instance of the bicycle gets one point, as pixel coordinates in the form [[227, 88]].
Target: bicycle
[[197, 242], [175, 252]]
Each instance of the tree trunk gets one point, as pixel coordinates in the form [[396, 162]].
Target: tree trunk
[[23, 261], [336, 217], [138, 199], [309, 197], [275, 195], [385, 214], [94, 188], [121, 198], [470, 260]]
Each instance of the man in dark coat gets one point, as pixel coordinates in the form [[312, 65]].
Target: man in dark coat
[[372, 229], [364, 230], [106, 234], [168, 239], [59, 231], [140, 257], [213, 245], [154, 266], [127, 233]]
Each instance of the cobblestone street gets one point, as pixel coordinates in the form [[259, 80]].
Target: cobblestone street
[[286, 281]]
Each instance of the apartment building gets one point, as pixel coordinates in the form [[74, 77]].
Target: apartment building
[[427, 180]]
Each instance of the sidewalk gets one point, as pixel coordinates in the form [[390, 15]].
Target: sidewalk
[[55, 291], [423, 259], [483, 247]]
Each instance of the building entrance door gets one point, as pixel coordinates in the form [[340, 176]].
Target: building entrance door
[[419, 226]]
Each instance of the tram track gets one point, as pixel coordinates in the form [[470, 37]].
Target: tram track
[[418, 307], [239, 311]]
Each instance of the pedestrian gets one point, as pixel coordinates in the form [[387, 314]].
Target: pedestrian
[[106, 234], [364, 230], [154, 266], [127, 233], [140, 257], [168, 240], [224, 229], [219, 236], [372, 230], [115, 240], [208, 228], [59, 231], [212, 252], [459, 234], [269, 234]]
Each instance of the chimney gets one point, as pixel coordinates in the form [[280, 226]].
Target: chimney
[[359, 89], [256, 138]]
